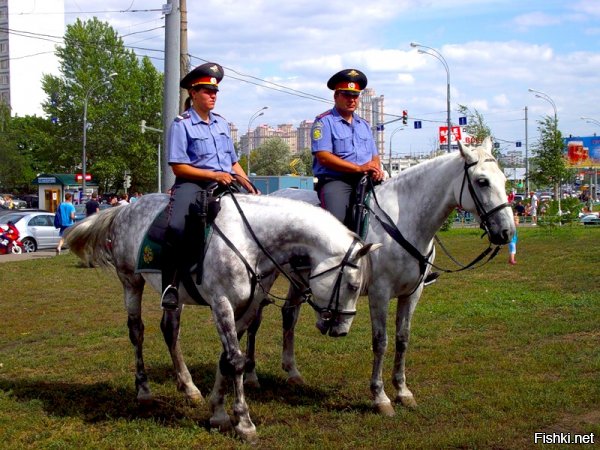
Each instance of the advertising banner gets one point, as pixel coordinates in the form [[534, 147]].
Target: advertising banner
[[583, 151]]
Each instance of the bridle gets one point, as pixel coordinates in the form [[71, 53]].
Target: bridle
[[300, 285], [424, 260], [483, 214]]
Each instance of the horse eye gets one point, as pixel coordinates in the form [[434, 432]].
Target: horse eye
[[352, 287], [483, 182]]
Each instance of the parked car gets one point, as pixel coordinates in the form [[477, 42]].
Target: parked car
[[80, 210], [590, 219], [36, 229], [17, 202]]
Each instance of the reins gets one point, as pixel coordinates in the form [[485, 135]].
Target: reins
[[390, 227], [303, 288]]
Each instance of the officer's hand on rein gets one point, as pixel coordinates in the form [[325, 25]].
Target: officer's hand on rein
[[223, 178]]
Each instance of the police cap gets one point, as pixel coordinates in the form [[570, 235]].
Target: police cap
[[207, 75], [351, 81]]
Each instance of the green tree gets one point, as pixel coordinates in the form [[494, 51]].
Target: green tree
[[551, 167], [115, 107], [307, 160], [476, 125], [22, 146], [271, 158]]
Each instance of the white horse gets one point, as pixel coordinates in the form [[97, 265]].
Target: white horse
[[243, 259], [415, 203]]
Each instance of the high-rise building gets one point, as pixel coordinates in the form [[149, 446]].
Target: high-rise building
[[29, 33], [304, 134], [371, 109]]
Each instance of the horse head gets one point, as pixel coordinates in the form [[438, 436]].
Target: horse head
[[336, 286], [483, 191]]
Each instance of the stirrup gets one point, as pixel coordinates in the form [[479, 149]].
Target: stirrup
[[170, 298], [431, 278]]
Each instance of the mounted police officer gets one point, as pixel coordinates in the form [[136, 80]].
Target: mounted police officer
[[343, 147], [200, 153]]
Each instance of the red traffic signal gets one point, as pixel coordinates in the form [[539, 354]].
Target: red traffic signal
[[404, 116], [79, 177]]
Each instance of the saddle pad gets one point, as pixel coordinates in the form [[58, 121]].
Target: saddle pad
[[149, 254]]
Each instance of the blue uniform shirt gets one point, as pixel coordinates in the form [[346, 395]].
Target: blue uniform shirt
[[204, 145], [351, 142]]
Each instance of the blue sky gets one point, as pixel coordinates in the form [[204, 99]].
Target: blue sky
[[495, 50]]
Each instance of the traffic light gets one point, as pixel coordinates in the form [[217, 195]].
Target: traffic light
[[127, 181], [404, 117], [143, 126]]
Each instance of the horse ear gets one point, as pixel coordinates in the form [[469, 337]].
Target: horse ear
[[468, 152], [366, 249]]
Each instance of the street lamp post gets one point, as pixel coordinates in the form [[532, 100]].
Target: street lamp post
[[544, 96], [436, 54], [143, 128], [591, 120], [391, 137], [254, 116], [85, 105]]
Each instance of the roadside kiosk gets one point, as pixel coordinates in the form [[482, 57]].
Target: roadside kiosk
[[52, 188]]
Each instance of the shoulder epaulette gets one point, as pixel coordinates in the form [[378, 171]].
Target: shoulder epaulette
[[326, 113], [182, 116]]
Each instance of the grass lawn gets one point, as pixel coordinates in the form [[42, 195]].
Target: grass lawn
[[496, 355]]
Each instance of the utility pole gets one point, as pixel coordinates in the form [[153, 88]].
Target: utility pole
[[171, 89], [185, 57], [526, 156]]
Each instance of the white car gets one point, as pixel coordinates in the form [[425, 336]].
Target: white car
[[36, 229]]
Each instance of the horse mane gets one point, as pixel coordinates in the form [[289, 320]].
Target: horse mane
[[90, 238]]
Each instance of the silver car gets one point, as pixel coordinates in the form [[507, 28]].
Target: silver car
[[36, 229]]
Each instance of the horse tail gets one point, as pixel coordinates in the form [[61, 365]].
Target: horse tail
[[90, 239]]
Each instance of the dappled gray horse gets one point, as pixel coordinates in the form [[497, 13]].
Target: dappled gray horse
[[412, 208], [242, 261]]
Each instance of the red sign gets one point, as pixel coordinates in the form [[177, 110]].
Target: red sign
[[79, 177], [456, 135]]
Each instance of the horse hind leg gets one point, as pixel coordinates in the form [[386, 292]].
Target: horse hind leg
[[136, 336], [169, 326]]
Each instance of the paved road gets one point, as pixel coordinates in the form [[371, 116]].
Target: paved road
[[47, 253]]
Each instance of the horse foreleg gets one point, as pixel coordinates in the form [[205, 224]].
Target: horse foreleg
[[406, 308], [289, 315], [250, 377], [231, 365], [379, 308], [169, 325]]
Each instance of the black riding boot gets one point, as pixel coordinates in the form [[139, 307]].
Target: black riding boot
[[170, 297]]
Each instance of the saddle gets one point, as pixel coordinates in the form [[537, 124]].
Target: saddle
[[198, 230]]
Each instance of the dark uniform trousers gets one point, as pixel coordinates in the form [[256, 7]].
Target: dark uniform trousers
[[176, 254], [338, 196]]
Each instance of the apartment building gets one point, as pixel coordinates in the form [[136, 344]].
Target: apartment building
[[29, 33]]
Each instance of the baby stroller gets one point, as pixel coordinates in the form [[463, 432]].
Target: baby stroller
[[9, 240]]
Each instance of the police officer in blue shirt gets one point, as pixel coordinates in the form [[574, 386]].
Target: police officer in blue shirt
[[201, 153], [343, 147]]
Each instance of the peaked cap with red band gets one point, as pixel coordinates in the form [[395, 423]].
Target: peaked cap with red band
[[207, 75], [348, 80]]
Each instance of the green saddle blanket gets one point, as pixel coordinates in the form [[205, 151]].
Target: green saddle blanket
[[149, 254]]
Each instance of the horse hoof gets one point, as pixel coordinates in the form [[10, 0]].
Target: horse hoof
[[221, 424], [145, 400], [385, 409], [407, 401], [196, 399], [296, 380], [252, 384], [247, 434]]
